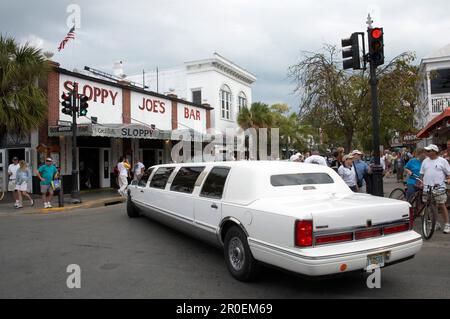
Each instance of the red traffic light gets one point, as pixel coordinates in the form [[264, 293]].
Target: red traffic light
[[376, 33]]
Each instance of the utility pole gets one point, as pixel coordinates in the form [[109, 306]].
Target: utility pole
[[75, 191]]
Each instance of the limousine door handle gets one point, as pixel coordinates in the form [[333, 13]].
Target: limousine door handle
[[214, 206], [142, 190]]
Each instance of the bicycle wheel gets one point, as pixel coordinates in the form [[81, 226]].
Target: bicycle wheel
[[429, 218], [398, 193]]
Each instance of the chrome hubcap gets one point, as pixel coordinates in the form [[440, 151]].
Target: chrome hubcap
[[236, 253]]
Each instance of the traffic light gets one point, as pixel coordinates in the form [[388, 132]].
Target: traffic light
[[83, 105], [376, 46], [350, 52], [66, 103]]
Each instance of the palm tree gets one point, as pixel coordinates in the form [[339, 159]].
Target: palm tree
[[256, 117], [23, 104]]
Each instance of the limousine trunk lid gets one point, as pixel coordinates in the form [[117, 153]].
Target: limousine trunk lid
[[334, 211]]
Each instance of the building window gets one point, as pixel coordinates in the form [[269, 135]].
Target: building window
[[197, 96], [242, 100], [225, 102]]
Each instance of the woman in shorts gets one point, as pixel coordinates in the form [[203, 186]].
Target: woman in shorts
[[23, 177]]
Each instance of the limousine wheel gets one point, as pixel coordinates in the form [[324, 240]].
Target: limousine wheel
[[132, 211], [238, 256]]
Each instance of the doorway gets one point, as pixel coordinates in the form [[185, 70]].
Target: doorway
[[89, 168], [149, 158]]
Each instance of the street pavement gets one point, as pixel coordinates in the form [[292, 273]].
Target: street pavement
[[139, 258]]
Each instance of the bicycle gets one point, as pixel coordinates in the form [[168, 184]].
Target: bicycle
[[426, 210]]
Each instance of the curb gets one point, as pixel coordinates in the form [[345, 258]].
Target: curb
[[85, 205]]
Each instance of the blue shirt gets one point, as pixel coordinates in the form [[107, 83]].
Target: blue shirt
[[47, 173], [414, 166], [362, 169], [23, 176]]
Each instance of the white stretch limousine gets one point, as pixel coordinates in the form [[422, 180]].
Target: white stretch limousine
[[300, 217]]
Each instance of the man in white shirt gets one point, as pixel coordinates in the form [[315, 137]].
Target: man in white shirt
[[123, 168], [12, 173], [435, 170], [138, 170], [315, 158]]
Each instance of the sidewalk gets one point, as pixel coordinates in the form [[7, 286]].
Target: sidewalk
[[90, 199]]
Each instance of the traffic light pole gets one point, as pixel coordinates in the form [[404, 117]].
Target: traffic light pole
[[75, 191], [377, 169]]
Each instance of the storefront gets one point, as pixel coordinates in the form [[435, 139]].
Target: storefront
[[437, 131], [122, 120]]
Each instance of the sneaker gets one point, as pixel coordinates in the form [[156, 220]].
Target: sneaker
[[49, 205], [16, 204], [32, 203], [45, 205], [19, 206], [447, 229]]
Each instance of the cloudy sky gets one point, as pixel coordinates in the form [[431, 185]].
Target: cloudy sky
[[263, 36]]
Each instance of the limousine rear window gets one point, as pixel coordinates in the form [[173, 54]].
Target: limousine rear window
[[185, 179], [160, 177], [300, 179], [215, 183]]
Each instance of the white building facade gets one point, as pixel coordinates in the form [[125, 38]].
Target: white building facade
[[216, 81], [434, 89]]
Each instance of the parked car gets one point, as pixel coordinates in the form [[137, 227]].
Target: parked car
[[299, 217]]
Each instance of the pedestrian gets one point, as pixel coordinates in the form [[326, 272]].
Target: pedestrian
[[399, 167], [124, 172], [435, 170], [23, 178], [412, 170], [47, 173], [297, 157], [361, 170], [347, 172], [12, 173], [138, 170], [315, 158]]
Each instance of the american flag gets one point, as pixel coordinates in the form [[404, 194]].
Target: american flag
[[70, 35]]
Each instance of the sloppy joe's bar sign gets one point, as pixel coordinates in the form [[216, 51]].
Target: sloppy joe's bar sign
[[191, 117], [151, 110], [126, 131], [105, 101]]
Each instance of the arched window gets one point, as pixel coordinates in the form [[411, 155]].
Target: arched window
[[242, 100], [225, 102]]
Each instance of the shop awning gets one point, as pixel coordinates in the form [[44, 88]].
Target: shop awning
[[442, 118]]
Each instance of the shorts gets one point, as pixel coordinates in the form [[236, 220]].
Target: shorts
[[46, 189], [439, 199], [22, 187], [11, 185]]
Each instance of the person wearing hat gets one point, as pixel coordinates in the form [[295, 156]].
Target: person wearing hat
[[47, 173], [12, 173], [361, 169], [435, 170], [347, 172], [296, 157]]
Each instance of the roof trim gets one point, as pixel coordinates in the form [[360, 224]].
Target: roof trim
[[425, 132]]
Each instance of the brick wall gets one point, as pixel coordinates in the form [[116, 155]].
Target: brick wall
[[126, 106]]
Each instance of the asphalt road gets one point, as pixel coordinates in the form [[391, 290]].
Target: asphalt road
[[139, 258]]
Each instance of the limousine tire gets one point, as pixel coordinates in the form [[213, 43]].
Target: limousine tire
[[238, 257], [132, 211]]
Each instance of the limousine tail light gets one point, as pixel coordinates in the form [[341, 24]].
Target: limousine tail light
[[303, 233], [364, 234], [331, 239], [396, 229]]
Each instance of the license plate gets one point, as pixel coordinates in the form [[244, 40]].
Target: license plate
[[375, 261]]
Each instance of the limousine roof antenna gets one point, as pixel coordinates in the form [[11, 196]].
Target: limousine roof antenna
[[110, 76]]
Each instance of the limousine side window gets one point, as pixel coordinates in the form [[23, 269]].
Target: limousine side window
[[143, 180], [185, 179], [161, 177], [300, 179], [215, 183]]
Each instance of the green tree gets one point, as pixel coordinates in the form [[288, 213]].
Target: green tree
[[23, 104], [257, 116], [338, 101]]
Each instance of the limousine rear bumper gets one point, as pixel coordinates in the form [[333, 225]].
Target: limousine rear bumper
[[329, 260]]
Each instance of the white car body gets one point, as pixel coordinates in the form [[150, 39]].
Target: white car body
[[268, 215]]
